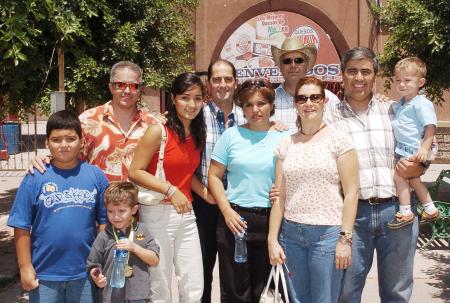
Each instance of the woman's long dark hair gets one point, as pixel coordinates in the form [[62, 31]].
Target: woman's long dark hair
[[181, 84]]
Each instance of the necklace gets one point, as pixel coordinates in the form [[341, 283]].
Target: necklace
[[320, 128]]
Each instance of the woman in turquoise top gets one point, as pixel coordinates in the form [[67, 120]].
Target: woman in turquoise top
[[246, 154]]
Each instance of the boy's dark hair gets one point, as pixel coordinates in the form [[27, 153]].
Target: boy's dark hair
[[63, 119], [119, 192]]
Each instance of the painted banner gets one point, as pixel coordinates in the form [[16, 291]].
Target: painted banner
[[248, 48]]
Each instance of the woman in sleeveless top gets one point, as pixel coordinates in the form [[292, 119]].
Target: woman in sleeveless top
[[173, 222]]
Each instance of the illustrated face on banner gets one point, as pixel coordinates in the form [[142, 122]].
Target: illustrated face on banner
[[248, 48]]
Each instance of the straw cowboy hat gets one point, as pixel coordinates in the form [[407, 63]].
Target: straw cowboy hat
[[292, 44]]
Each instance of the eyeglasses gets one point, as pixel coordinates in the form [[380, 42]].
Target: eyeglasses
[[288, 61], [122, 86], [315, 98]]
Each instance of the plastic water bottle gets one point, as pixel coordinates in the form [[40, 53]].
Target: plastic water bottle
[[240, 246], [118, 270]]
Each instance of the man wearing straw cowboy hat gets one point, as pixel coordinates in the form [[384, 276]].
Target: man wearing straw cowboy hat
[[294, 59]]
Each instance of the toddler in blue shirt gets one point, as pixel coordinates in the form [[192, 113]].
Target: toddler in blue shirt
[[414, 128]]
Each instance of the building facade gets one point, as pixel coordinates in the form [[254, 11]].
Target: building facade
[[242, 32]]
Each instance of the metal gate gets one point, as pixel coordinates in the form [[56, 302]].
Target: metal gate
[[20, 143]]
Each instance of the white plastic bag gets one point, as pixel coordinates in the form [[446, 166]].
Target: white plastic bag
[[274, 296]]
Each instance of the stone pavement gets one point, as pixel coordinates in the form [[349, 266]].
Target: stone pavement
[[431, 270]]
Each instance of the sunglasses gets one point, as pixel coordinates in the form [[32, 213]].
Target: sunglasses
[[257, 83], [298, 60], [122, 86], [315, 98]]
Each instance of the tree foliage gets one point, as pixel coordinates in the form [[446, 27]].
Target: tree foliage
[[95, 34], [418, 28]]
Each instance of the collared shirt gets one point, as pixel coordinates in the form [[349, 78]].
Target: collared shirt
[[411, 118], [215, 126], [285, 111], [373, 138], [107, 145]]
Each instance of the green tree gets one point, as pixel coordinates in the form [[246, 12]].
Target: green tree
[[95, 34], [418, 28]]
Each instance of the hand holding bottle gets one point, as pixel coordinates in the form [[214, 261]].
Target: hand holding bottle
[[126, 244]]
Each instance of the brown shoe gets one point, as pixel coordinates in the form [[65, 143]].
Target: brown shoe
[[401, 220], [426, 217]]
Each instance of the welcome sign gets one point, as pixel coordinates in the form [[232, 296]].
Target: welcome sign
[[248, 48]]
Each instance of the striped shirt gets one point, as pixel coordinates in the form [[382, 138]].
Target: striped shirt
[[285, 111], [373, 138], [215, 126]]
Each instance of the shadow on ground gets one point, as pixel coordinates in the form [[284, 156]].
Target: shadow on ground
[[6, 201], [440, 273]]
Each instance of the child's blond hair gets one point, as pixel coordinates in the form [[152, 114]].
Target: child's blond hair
[[119, 192], [413, 64]]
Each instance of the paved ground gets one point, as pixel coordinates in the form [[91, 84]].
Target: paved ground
[[431, 271]]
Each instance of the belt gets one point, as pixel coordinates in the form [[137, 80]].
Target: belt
[[264, 210], [376, 200]]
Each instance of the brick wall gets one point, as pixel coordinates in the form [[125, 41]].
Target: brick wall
[[443, 138]]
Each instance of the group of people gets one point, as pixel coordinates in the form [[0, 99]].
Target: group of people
[[308, 178]]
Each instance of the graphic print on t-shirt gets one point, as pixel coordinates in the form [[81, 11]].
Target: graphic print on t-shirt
[[72, 197]]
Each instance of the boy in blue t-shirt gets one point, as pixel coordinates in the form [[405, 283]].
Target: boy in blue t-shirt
[[55, 218], [414, 126]]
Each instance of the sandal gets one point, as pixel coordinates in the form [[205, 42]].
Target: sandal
[[401, 220]]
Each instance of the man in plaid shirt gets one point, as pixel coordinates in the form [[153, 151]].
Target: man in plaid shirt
[[220, 113], [368, 121]]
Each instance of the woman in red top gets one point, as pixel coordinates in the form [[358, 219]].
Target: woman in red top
[[172, 223]]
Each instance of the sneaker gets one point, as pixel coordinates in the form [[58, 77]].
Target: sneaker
[[401, 220], [426, 217]]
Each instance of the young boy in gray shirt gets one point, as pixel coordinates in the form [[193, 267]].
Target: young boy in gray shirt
[[123, 233]]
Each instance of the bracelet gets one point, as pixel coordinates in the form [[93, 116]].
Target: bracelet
[[346, 234], [168, 189], [344, 240], [171, 191]]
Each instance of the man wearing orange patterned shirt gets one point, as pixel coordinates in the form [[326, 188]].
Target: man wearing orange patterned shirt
[[112, 131]]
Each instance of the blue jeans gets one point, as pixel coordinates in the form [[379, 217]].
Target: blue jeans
[[310, 252], [76, 291], [395, 254]]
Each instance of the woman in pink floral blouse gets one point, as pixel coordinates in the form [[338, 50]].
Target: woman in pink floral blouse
[[311, 222]]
